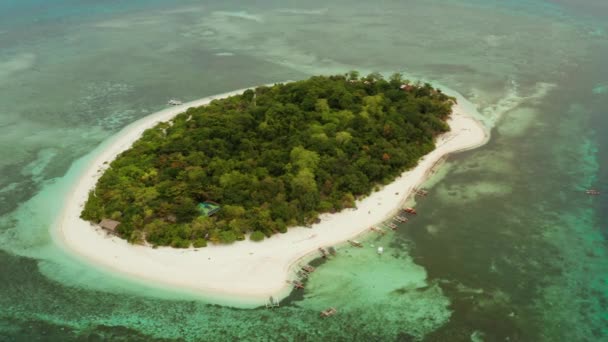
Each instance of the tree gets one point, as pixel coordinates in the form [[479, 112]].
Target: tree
[[256, 236], [304, 159], [272, 157]]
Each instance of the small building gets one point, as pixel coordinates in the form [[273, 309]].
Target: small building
[[208, 208], [109, 225]]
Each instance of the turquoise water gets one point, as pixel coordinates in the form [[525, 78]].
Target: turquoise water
[[507, 246]]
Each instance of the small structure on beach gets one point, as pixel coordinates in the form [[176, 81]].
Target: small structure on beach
[[328, 312], [109, 225]]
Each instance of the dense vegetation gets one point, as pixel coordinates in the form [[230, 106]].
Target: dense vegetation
[[272, 157]]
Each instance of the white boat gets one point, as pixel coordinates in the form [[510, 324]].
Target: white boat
[[380, 250], [175, 102]]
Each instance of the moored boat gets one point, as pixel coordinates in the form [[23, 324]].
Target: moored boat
[[410, 211], [328, 312], [174, 102]]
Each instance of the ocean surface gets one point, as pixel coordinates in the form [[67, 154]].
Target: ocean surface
[[507, 247]]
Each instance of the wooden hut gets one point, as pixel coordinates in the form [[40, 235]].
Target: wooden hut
[[109, 225]]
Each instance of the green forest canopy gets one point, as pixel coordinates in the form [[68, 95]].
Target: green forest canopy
[[272, 157]]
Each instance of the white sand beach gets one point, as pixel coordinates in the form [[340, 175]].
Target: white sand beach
[[244, 271]]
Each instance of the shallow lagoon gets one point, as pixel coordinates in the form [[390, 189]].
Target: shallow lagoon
[[506, 246]]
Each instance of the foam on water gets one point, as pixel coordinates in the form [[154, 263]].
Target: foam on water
[[14, 64], [239, 15], [470, 192]]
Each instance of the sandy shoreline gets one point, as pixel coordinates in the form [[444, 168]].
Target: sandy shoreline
[[246, 271]]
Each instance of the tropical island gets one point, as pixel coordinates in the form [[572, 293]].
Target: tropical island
[[268, 159], [241, 274]]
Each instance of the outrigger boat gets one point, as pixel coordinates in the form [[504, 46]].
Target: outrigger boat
[[328, 312], [308, 269], [400, 218], [296, 284], [272, 303], [392, 226], [378, 230], [355, 243], [323, 252], [421, 192], [302, 274], [592, 192], [410, 211]]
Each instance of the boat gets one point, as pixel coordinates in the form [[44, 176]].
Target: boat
[[592, 192], [378, 230], [296, 284], [272, 303], [308, 268], [323, 252], [355, 243], [380, 250], [328, 312], [421, 192], [400, 218], [410, 211], [332, 250], [392, 226], [174, 102]]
